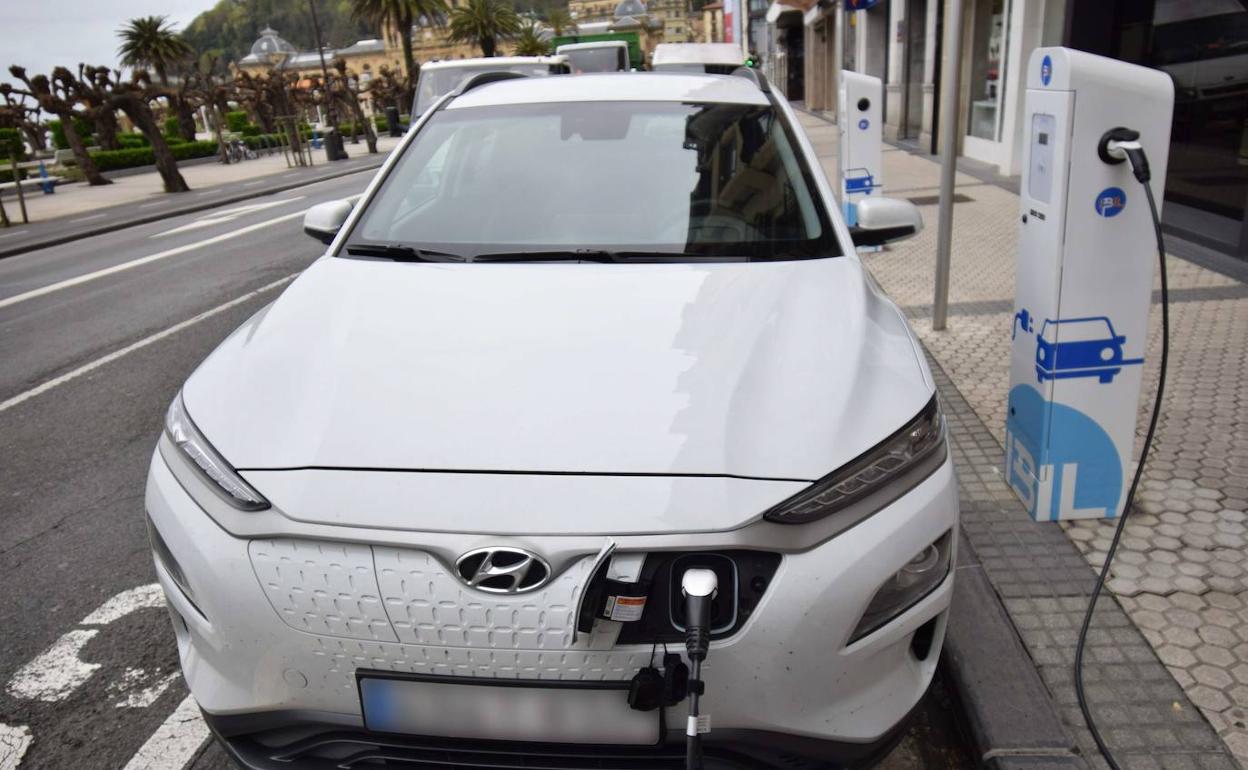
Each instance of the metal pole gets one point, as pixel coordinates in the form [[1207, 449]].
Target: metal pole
[[17, 185], [331, 113], [838, 56], [950, 85]]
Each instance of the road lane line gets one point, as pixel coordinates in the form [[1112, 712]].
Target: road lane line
[[87, 219], [175, 742], [152, 204], [116, 354], [85, 277], [14, 740]]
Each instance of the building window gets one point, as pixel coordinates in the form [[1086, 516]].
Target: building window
[[989, 27]]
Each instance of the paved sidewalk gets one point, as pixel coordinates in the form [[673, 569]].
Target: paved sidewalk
[[1169, 656]]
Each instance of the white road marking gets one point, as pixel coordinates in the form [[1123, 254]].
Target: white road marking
[[152, 204], [137, 689], [87, 219], [57, 671], [86, 277], [14, 740], [6, 235], [217, 217], [253, 184], [175, 742], [124, 603], [116, 354]]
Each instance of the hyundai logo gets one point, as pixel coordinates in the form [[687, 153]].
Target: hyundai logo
[[503, 570]]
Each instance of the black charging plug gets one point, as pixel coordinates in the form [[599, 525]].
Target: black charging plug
[[1119, 144]]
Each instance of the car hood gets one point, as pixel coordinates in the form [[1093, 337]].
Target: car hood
[[770, 371]]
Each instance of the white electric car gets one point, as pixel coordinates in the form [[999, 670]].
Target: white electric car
[[433, 505]]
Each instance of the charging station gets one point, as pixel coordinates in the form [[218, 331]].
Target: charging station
[[860, 149], [1085, 266]]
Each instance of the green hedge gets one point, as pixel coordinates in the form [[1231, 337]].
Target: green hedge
[[171, 126], [11, 144], [6, 174], [251, 129], [234, 121], [132, 140], [85, 132], [132, 157]]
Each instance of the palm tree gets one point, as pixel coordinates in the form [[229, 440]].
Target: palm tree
[[560, 22], [484, 22], [148, 42], [530, 42], [400, 15]]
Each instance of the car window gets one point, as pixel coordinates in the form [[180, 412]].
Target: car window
[[667, 179], [604, 59]]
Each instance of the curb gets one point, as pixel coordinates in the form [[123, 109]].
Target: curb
[[1011, 720], [56, 240]]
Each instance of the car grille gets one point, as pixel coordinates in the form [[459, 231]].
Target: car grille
[[405, 595]]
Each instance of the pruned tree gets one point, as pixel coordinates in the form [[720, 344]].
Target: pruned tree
[[19, 112], [58, 95], [345, 88], [388, 89], [133, 97]]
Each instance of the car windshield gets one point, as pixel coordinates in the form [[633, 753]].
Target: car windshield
[[663, 180], [604, 59], [436, 83]]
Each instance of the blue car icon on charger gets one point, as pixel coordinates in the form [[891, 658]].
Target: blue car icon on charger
[[1080, 347]]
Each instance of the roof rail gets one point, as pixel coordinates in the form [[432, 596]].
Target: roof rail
[[759, 79], [485, 78]]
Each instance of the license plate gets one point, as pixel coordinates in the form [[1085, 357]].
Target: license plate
[[505, 709]]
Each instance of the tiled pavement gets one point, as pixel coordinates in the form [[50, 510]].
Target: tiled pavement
[[1168, 654]]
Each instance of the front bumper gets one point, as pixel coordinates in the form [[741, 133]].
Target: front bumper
[[272, 630]]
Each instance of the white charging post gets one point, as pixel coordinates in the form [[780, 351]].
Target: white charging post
[[1086, 256], [860, 149]]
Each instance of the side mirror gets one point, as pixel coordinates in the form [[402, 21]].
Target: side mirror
[[324, 220], [884, 220]]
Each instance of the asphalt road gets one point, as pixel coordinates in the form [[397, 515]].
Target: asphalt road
[[94, 347]]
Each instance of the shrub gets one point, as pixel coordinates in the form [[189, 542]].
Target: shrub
[[132, 140], [234, 121], [58, 134], [264, 141], [133, 157], [251, 129], [6, 174], [171, 126], [11, 144]]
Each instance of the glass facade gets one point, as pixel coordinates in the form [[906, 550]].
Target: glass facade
[[1203, 46], [989, 27]]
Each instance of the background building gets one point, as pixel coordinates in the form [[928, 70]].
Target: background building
[[1201, 44]]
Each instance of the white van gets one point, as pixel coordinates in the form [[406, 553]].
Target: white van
[[600, 56], [713, 58], [439, 78]]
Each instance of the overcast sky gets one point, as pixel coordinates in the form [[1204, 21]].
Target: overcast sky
[[40, 34]]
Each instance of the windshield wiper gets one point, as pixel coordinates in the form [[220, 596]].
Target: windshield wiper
[[401, 253], [571, 255]]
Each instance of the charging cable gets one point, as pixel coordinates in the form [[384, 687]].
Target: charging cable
[[699, 587], [1116, 146]]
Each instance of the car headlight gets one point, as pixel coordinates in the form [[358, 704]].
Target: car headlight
[[907, 586], [211, 465], [869, 472]]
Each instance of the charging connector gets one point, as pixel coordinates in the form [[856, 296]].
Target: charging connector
[[1116, 146]]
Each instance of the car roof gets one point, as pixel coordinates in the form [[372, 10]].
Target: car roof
[[697, 53], [496, 61], [615, 87]]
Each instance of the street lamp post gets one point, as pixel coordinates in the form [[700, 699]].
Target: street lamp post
[[949, 86], [331, 113]]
